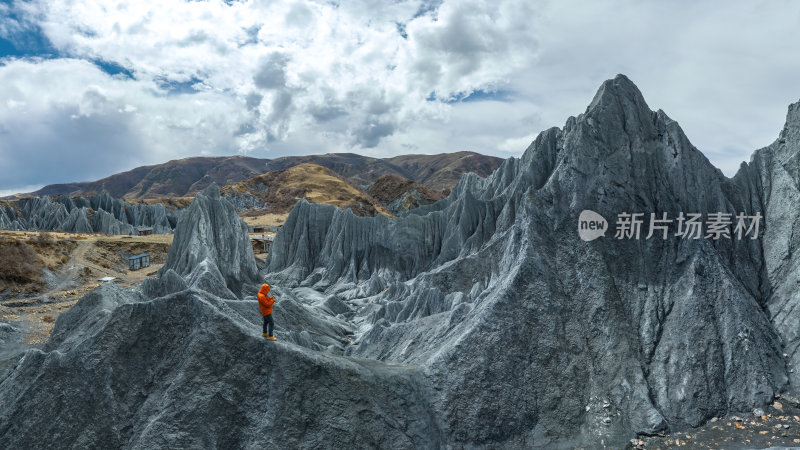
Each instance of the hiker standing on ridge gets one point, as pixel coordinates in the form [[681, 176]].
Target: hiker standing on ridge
[[265, 303]]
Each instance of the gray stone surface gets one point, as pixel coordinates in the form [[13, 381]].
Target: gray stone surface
[[210, 229], [180, 363], [244, 201], [771, 184], [167, 283], [187, 371], [481, 321], [11, 343]]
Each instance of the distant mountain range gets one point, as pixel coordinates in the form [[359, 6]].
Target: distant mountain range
[[185, 177]]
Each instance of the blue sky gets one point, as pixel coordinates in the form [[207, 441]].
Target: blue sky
[[88, 88]]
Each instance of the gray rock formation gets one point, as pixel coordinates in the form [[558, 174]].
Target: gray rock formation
[[9, 218], [99, 214], [771, 185], [243, 201], [188, 371], [11, 343], [210, 229], [492, 292], [482, 320], [180, 362]]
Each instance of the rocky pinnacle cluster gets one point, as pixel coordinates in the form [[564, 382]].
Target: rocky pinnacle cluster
[[99, 214]]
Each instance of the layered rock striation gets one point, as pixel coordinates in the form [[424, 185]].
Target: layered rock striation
[[180, 362], [211, 238]]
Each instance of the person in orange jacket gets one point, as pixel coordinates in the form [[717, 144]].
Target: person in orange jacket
[[265, 303]]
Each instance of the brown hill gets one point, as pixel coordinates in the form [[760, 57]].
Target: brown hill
[[442, 172], [177, 178], [185, 177], [401, 194], [281, 189]]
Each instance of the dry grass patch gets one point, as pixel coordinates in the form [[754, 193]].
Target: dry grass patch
[[53, 249], [20, 266], [269, 219]]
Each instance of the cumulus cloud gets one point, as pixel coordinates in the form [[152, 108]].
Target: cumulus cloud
[[271, 74], [118, 84], [369, 134], [56, 141], [64, 117], [326, 112]]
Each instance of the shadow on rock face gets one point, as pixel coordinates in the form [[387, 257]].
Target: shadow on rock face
[[189, 370]]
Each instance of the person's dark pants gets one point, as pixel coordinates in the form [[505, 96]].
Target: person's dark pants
[[268, 322]]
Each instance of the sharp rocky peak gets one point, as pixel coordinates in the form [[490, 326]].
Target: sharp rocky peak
[[210, 230], [791, 130], [619, 90]]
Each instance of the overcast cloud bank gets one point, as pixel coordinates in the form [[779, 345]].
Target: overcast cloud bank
[[90, 89]]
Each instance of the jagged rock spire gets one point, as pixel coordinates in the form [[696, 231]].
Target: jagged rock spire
[[210, 229]]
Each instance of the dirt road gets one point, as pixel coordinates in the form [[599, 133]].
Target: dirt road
[[94, 257]]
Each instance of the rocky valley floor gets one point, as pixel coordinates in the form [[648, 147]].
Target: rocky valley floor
[[778, 427], [72, 265]]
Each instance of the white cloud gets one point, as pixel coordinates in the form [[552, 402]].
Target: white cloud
[[513, 145], [311, 59], [290, 77], [70, 117]]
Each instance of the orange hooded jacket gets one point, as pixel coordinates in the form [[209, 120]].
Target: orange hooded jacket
[[264, 301]]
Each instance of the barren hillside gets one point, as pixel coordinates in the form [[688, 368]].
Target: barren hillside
[[281, 189], [186, 177], [400, 194]]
